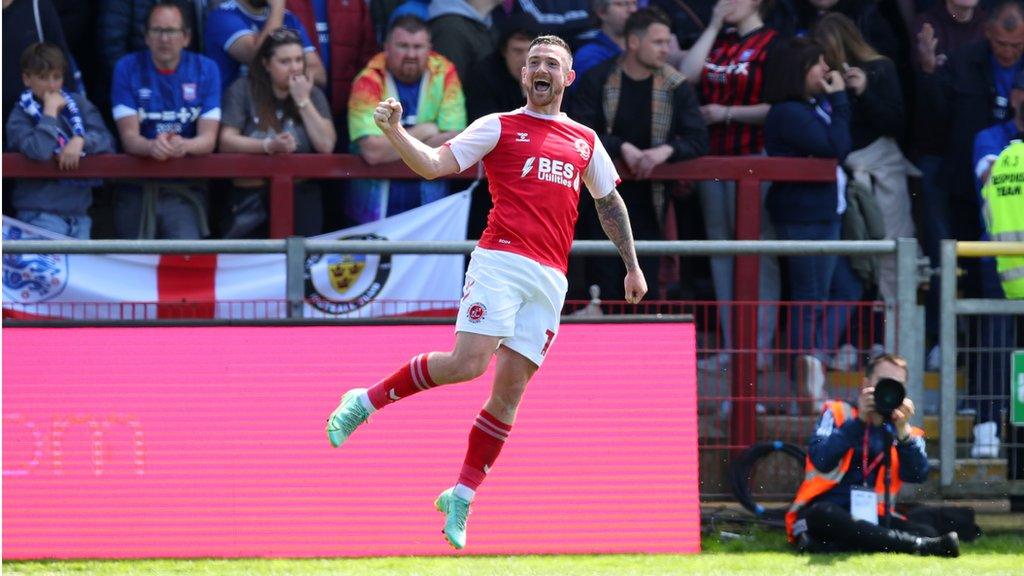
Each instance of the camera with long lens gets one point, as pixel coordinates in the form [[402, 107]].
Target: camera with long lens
[[889, 395]]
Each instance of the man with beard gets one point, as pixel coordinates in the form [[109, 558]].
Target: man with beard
[[647, 114], [427, 84], [535, 158], [236, 29]]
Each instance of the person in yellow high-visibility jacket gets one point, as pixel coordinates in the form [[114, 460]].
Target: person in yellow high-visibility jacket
[[999, 166], [1002, 197]]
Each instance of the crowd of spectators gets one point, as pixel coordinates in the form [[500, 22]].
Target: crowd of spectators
[[896, 91]]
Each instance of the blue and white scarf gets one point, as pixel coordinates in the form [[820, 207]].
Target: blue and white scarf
[[74, 118], [70, 113]]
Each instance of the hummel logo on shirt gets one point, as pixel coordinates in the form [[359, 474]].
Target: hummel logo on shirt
[[522, 137]]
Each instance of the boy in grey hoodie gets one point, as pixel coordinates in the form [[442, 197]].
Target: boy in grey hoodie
[[50, 123]]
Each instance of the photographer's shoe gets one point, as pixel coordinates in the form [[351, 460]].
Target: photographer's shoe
[[947, 545], [456, 512], [804, 543], [349, 414]]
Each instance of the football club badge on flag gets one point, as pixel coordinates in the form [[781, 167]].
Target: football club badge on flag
[[32, 278], [243, 286], [341, 283], [188, 91]]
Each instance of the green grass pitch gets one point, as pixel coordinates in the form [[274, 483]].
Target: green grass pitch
[[764, 553]]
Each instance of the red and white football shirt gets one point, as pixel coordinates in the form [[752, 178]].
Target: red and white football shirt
[[534, 164]]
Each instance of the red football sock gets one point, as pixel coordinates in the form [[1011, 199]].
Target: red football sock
[[486, 438], [406, 381]]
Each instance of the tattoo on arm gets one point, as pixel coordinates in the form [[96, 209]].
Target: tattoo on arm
[[611, 211]]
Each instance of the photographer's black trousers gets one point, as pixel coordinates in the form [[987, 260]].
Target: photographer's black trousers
[[833, 529]]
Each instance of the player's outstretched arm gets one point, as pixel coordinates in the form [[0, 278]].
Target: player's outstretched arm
[[611, 210], [426, 161]]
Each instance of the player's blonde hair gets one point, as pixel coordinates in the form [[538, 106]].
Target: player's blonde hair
[[552, 40]]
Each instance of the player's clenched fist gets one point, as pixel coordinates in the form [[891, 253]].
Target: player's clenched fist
[[387, 114]]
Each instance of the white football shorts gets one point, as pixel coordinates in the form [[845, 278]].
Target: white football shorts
[[514, 298]]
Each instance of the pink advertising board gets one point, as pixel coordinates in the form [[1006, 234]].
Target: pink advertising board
[[209, 442]]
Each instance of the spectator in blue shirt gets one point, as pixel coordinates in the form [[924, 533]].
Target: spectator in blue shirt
[[610, 39], [166, 104], [991, 141], [121, 30], [236, 29]]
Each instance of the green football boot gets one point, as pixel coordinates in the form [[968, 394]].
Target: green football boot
[[456, 511], [349, 414]]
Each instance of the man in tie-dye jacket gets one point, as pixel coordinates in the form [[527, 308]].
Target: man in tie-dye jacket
[[429, 89]]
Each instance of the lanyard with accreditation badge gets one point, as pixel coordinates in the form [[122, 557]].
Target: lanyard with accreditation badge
[[864, 500]]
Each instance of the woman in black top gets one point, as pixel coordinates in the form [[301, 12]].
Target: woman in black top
[[876, 160]]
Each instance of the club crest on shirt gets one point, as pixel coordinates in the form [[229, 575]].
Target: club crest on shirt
[[343, 283], [583, 148], [745, 55], [188, 91], [32, 278], [476, 312]]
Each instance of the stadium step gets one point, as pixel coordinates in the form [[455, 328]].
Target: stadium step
[[853, 379], [972, 477], [714, 428], [964, 428]]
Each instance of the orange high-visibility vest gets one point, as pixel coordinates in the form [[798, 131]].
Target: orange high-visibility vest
[[817, 482]]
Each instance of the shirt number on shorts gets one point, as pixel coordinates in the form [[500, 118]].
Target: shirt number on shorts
[[551, 336]]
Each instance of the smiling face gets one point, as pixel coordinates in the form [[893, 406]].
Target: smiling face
[[547, 72]]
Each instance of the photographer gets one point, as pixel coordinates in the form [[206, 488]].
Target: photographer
[[841, 504]]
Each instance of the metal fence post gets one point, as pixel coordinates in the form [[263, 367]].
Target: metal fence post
[[295, 264], [906, 302], [743, 417], [947, 345], [282, 206], [890, 326]]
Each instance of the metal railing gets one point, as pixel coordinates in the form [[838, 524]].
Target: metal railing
[[748, 172], [952, 309], [283, 170], [744, 374]]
